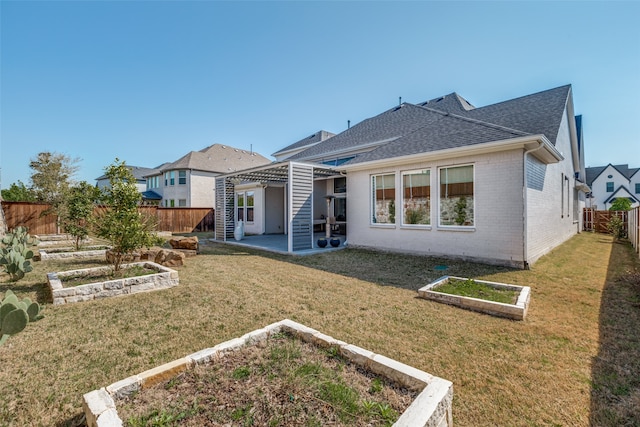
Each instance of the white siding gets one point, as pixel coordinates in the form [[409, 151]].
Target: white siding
[[498, 233], [599, 187], [257, 225], [202, 189]]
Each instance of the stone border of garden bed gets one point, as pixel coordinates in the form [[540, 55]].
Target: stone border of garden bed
[[164, 279], [517, 311], [431, 408], [88, 253]]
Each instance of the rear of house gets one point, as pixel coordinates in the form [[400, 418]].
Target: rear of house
[[502, 184]]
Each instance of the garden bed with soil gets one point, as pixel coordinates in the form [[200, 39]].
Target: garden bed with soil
[[497, 299], [63, 290], [284, 374]]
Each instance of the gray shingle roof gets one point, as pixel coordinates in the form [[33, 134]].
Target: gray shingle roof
[[445, 122], [138, 172], [319, 136], [217, 158], [625, 170]]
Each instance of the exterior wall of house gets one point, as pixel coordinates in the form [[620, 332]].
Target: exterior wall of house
[[202, 189], [257, 226], [498, 230], [554, 207], [105, 183], [599, 187]]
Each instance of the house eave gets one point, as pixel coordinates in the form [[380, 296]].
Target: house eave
[[548, 154]]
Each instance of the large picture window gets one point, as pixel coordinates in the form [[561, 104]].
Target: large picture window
[[383, 206], [416, 193], [457, 196]]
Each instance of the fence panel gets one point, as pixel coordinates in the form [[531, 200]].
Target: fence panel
[[185, 220], [634, 228], [598, 220], [175, 220], [29, 215]]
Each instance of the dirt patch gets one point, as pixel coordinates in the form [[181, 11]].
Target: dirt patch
[[280, 382]]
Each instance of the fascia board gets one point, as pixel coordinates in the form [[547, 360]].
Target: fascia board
[[551, 154]]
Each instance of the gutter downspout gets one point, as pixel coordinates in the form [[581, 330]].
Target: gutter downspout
[[525, 252]]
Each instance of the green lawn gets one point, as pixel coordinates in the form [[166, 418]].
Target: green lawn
[[574, 361]]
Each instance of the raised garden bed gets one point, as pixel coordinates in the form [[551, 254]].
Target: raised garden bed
[[163, 279], [67, 252], [516, 310], [430, 397]]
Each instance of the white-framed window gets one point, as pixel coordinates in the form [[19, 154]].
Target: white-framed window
[[182, 177], [383, 199], [456, 201], [245, 203], [416, 197], [169, 203], [152, 182], [182, 203], [169, 178]]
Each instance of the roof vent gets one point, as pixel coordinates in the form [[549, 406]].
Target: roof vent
[[224, 146]]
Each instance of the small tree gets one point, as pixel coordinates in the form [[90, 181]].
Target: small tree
[[18, 192], [77, 215], [122, 223], [51, 180], [616, 227], [620, 204]]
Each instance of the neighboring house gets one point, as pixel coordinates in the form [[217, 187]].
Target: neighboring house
[[190, 180], [612, 182], [139, 174], [502, 184]]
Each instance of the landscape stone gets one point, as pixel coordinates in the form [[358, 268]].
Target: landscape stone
[[190, 243]]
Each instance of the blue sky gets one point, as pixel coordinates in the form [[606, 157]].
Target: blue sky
[[149, 81]]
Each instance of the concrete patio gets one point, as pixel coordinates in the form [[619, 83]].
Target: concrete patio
[[278, 243]]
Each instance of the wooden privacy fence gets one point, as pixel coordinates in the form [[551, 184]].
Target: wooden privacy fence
[[597, 220], [175, 220], [29, 215], [634, 228]]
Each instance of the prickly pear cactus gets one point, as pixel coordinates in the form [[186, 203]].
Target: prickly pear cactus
[[15, 314], [15, 255]]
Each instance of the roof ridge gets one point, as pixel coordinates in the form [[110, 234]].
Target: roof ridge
[[475, 121], [524, 96]]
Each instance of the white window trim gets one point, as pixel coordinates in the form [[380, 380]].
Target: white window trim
[[245, 207], [457, 227], [371, 204]]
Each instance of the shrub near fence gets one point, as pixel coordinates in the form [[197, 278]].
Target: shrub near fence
[[175, 220]]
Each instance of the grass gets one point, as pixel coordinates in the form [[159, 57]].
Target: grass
[[574, 361], [473, 289], [283, 381]]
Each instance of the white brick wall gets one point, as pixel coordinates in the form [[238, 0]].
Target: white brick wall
[[548, 223], [498, 233]]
